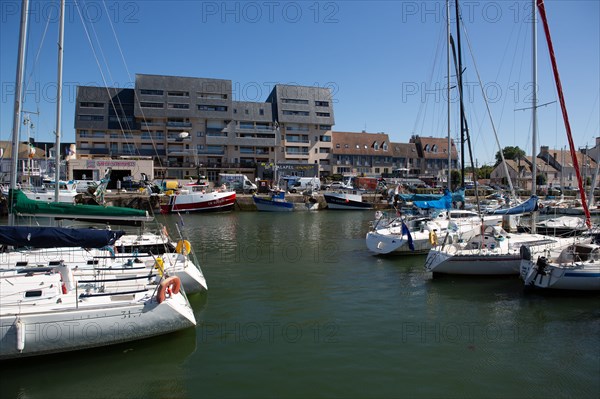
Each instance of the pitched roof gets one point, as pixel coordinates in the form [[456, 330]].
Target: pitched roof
[[542, 166], [404, 150], [436, 147], [360, 143], [563, 157]]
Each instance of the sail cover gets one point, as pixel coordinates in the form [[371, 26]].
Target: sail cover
[[25, 206], [52, 237], [528, 206], [445, 202]]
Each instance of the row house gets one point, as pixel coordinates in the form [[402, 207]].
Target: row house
[[372, 154], [433, 152], [520, 172]]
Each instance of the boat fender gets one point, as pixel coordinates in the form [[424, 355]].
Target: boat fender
[[160, 266], [183, 245], [20, 327], [169, 286], [432, 238]]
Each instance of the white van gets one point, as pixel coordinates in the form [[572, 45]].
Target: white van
[[306, 183]]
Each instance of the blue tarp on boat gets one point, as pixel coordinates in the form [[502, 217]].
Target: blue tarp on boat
[[52, 237], [457, 196], [526, 207], [445, 202]]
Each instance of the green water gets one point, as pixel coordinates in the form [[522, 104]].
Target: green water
[[297, 307]]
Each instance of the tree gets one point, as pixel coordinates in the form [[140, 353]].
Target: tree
[[510, 153], [540, 179], [455, 178], [485, 172]]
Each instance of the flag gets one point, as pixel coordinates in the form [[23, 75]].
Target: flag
[[406, 231]]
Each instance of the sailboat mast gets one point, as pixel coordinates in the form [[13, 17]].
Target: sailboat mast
[[563, 106], [460, 93], [534, 112], [449, 185], [59, 85], [17, 107]]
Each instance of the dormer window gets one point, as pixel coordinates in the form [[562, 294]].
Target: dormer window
[[426, 149], [434, 148], [384, 146], [376, 146]]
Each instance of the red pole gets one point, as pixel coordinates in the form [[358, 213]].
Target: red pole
[[542, 9]]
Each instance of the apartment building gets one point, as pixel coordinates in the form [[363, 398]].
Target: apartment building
[[186, 123], [305, 118]]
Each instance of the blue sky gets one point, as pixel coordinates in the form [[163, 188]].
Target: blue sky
[[384, 61]]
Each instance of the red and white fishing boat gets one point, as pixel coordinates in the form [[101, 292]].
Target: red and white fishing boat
[[198, 197]]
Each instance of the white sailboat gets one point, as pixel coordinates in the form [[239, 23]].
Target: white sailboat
[[41, 315], [493, 251], [118, 303], [573, 267], [82, 312]]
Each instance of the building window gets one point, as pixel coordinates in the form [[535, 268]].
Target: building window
[[147, 104], [324, 127], [426, 149], [376, 146], [337, 146], [295, 113], [345, 145], [434, 148], [199, 134], [214, 96], [384, 146], [326, 139], [322, 103], [246, 111], [178, 106], [235, 110], [178, 93], [88, 104], [261, 111], [151, 92], [88, 118], [217, 108], [293, 101], [323, 114]]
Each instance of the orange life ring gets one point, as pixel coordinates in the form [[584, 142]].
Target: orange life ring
[[171, 284]]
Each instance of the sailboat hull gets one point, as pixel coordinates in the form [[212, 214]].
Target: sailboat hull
[[47, 332]]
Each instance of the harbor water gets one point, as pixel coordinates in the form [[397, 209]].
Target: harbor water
[[297, 307]]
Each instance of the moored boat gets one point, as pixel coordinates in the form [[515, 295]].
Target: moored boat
[[276, 202], [344, 200], [199, 197]]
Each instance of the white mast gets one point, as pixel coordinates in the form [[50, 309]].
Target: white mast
[[59, 99], [534, 111], [17, 107], [448, 92]]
